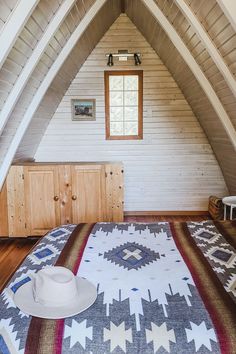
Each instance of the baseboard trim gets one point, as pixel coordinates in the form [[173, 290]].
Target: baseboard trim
[[166, 213]]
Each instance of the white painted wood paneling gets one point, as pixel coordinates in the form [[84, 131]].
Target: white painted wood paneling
[[32, 62], [45, 74], [218, 27], [24, 46], [184, 37], [15, 20], [33, 104], [173, 167], [223, 37], [189, 85], [212, 50], [94, 32]]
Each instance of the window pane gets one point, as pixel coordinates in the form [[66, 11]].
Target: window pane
[[116, 98], [131, 98], [124, 104], [116, 128], [131, 128], [116, 114], [131, 113], [131, 82], [116, 83]]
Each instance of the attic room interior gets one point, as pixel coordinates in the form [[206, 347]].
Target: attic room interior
[[118, 176]]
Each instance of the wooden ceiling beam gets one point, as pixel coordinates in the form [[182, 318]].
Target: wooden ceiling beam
[[14, 25], [33, 61], [34, 104], [229, 9], [206, 40], [194, 67]]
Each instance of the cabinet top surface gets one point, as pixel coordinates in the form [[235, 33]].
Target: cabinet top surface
[[29, 163]]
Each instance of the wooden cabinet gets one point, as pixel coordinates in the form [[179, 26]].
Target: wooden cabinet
[[15, 201], [88, 187], [39, 197], [3, 212]]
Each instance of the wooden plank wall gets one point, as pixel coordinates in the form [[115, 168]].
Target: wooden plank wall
[[106, 16], [223, 36], [202, 108], [219, 29], [15, 62], [24, 46], [6, 7], [21, 52], [173, 167]]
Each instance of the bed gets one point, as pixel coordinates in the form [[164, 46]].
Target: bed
[[162, 288]]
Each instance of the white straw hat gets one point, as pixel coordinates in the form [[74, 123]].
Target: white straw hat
[[55, 292]]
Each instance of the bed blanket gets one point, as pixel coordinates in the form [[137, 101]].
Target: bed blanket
[[162, 288]]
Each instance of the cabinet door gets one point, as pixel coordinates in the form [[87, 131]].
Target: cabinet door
[[87, 193], [114, 192], [16, 202], [42, 198], [4, 230]]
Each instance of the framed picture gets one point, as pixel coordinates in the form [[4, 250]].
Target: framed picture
[[83, 109]]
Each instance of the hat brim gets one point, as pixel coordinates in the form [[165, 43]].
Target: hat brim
[[24, 300]]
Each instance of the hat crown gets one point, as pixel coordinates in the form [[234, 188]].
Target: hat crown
[[54, 286]]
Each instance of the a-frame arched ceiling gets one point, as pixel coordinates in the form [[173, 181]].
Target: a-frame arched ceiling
[[48, 44], [218, 29]]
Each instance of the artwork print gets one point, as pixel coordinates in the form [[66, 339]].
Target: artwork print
[[83, 109]]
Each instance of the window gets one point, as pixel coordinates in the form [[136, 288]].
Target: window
[[124, 104]]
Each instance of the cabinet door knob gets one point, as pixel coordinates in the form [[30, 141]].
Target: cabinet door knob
[[74, 197], [56, 198]]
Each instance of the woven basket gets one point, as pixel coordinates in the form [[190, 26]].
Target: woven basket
[[215, 207]]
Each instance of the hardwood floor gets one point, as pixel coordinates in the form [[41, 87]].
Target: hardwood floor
[[169, 218], [14, 250]]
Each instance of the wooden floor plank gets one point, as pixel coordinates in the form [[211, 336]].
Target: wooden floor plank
[[168, 218], [12, 252]]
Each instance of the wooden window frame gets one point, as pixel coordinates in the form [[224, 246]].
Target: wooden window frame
[[139, 73]]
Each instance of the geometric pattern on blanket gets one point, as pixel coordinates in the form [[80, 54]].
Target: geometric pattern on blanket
[[141, 307], [147, 307], [131, 255], [14, 324], [218, 252]]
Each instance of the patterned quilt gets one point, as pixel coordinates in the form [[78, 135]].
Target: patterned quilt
[[162, 288]]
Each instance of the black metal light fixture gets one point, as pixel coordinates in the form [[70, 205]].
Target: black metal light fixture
[[110, 60], [137, 60], [123, 55]]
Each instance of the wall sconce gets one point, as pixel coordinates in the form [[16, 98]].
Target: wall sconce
[[123, 55], [110, 60], [137, 59]]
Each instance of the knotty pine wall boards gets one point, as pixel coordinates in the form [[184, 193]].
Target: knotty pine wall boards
[[173, 167]]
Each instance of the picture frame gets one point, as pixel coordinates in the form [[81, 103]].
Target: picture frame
[[83, 109]]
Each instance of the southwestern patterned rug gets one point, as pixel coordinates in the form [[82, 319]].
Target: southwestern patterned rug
[[162, 288]]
